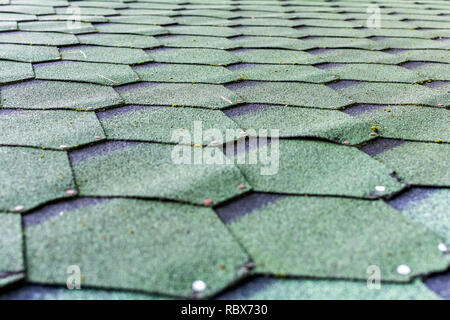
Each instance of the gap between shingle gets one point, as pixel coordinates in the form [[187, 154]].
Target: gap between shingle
[[405, 199], [380, 145], [243, 206]]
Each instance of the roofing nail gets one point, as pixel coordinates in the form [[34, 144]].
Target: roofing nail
[[403, 269], [440, 105], [97, 137], [372, 134], [380, 188], [214, 142], [61, 213], [198, 286], [241, 186], [207, 201], [18, 208], [71, 192], [89, 108], [442, 247], [63, 146], [243, 133], [346, 142]]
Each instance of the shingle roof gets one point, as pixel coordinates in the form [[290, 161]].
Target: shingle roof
[[93, 92]]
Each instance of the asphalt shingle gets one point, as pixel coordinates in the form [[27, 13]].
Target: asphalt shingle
[[183, 173], [28, 53], [39, 176], [179, 94], [126, 124], [49, 129], [15, 71], [100, 73], [419, 163], [160, 242], [105, 54], [292, 238], [58, 95], [314, 167], [157, 124]]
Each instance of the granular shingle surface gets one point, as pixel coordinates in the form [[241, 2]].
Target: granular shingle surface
[[273, 149]]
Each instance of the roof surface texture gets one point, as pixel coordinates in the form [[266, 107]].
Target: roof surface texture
[[353, 188]]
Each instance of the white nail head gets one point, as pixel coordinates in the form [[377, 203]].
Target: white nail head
[[198, 286], [18, 208], [380, 188], [442, 247], [403, 269]]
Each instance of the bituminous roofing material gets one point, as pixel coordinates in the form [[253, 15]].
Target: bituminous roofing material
[[92, 109]]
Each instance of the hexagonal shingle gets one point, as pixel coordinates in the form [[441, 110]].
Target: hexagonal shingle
[[434, 71], [118, 40], [39, 38], [30, 177], [125, 169], [28, 53], [41, 94], [269, 72], [105, 54], [302, 122], [160, 241], [15, 71], [395, 93], [16, 17], [161, 72], [419, 163], [200, 95], [145, 29], [8, 25], [56, 26], [179, 41], [270, 42], [203, 31], [49, 129], [315, 167], [194, 56], [428, 206], [279, 238], [288, 93], [425, 55], [376, 72], [356, 56], [275, 56], [145, 123], [101, 73], [141, 19], [409, 122]]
